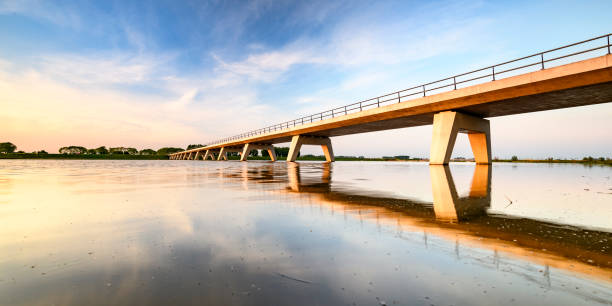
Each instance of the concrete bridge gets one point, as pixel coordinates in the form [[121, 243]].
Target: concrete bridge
[[574, 75]]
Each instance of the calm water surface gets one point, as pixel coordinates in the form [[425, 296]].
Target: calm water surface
[[260, 233]]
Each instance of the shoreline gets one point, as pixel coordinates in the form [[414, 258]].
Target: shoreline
[[607, 162]]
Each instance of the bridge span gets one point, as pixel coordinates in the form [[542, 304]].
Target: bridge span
[[574, 75]]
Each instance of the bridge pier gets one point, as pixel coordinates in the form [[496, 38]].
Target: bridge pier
[[225, 150], [446, 126], [250, 146], [298, 140], [197, 155], [209, 153], [222, 154]]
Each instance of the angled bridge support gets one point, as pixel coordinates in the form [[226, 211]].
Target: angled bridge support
[[298, 140], [251, 146], [446, 126]]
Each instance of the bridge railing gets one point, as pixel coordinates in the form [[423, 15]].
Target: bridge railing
[[538, 61]]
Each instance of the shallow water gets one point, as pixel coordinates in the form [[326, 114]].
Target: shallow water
[[260, 233]]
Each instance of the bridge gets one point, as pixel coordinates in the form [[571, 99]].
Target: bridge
[[573, 75]]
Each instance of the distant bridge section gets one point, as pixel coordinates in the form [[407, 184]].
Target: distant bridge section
[[573, 75]]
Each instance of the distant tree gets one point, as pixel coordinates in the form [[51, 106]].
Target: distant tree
[[148, 152], [254, 153], [91, 151], [7, 147], [168, 150], [73, 150], [123, 150], [194, 146], [42, 152], [514, 158], [101, 150], [116, 150], [281, 151], [21, 152]]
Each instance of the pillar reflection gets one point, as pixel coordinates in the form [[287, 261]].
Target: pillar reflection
[[295, 178], [448, 206]]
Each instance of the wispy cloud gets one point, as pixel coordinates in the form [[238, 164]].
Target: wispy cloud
[[267, 66], [101, 68], [44, 10]]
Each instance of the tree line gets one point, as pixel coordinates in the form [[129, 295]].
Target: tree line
[[7, 147], [117, 150]]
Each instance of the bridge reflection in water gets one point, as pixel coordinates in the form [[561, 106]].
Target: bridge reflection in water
[[447, 204], [462, 219]]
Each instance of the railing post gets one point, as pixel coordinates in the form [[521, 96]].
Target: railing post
[[423, 90], [360, 109], [455, 82], [542, 60], [493, 67], [377, 102], [399, 98], [608, 44], [345, 110], [332, 113]]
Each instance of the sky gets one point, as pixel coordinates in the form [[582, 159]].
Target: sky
[[151, 74]]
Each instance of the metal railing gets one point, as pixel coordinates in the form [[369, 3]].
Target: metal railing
[[490, 73]]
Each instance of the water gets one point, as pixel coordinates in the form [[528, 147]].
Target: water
[[260, 233]]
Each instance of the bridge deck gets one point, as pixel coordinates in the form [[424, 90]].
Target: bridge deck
[[576, 84]]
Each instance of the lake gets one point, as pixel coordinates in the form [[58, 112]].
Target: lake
[[89, 232]]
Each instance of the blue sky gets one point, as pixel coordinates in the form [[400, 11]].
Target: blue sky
[[168, 73]]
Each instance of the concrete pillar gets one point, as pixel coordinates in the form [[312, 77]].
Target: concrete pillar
[[222, 154], [448, 206], [272, 153], [447, 125], [244, 155], [208, 154], [245, 152], [197, 155], [298, 140]]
